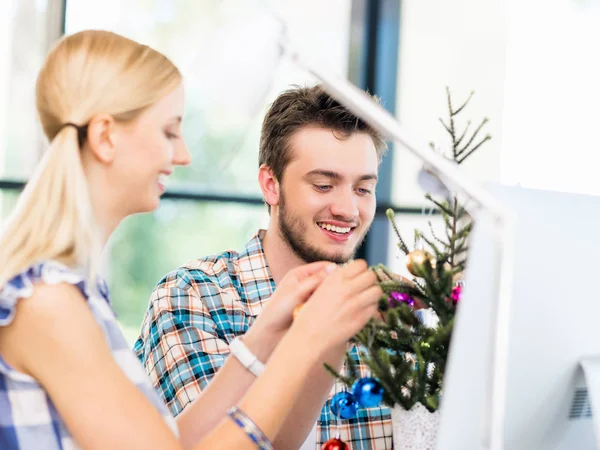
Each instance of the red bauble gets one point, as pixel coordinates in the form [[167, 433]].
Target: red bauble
[[335, 444]]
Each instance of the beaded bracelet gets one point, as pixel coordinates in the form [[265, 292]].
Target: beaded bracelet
[[250, 428]]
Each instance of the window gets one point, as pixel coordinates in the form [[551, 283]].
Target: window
[[7, 200], [214, 204], [24, 37], [147, 246], [221, 133]]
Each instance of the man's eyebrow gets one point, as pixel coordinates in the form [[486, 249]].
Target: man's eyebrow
[[368, 177], [336, 176], [324, 173]]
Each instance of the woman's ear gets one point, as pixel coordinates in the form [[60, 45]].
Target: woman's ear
[[99, 138]]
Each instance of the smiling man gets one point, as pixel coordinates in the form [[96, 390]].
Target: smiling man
[[318, 174]]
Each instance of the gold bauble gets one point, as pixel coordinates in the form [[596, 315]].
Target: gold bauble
[[416, 259]]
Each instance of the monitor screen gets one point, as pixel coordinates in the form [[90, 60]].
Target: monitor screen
[[553, 323]]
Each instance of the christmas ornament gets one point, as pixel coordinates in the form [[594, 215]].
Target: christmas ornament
[[344, 405], [456, 294], [427, 317], [416, 260], [395, 298], [368, 392], [335, 444]]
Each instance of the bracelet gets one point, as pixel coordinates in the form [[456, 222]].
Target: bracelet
[[246, 357], [250, 428]]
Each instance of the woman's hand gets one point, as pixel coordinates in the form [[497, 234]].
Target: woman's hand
[[339, 307], [293, 290]]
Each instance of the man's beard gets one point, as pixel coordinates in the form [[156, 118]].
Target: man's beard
[[293, 232]]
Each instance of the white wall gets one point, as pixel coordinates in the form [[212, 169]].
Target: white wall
[[6, 33], [535, 68], [552, 95], [460, 44]]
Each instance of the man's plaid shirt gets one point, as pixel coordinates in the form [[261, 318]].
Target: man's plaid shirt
[[198, 309]]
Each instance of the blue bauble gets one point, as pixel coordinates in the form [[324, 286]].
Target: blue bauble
[[368, 392], [344, 405]]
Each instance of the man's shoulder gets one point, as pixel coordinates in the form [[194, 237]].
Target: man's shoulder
[[212, 269]]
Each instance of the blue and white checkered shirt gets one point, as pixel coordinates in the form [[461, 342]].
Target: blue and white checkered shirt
[[28, 418], [194, 314]]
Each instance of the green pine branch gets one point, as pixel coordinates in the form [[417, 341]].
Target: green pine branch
[[439, 241], [444, 208], [483, 141], [473, 136], [401, 244], [462, 136], [466, 102]]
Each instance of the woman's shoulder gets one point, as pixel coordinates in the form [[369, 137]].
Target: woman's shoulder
[[39, 281]]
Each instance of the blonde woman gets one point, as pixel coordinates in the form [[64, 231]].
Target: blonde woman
[[112, 109]]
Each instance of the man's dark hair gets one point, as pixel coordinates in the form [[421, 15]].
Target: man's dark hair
[[301, 107]]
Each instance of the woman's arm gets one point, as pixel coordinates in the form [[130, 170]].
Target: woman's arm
[[55, 339]]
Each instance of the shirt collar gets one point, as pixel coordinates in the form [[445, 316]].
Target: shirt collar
[[253, 262]]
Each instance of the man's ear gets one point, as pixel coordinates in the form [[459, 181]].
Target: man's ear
[[269, 185], [99, 138]]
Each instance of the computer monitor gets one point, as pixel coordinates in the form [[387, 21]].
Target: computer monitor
[[554, 322]]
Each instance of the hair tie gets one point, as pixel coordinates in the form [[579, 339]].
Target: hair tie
[[69, 124], [81, 131]]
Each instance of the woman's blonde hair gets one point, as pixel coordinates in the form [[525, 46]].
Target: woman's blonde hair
[[87, 73]]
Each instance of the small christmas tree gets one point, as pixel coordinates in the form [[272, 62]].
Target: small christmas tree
[[407, 349]]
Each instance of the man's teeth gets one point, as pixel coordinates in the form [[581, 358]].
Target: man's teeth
[[162, 178], [342, 230]]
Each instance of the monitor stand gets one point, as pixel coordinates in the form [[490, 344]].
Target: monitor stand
[[591, 372]]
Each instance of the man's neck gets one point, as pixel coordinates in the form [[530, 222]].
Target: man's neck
[[280, 257]]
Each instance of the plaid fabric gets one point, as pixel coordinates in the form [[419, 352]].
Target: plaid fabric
[[198, 309], [28, 418]]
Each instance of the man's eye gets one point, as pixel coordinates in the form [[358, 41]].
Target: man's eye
[[322, 187]]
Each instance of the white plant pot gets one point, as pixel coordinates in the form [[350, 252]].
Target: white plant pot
[[415, 429]]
